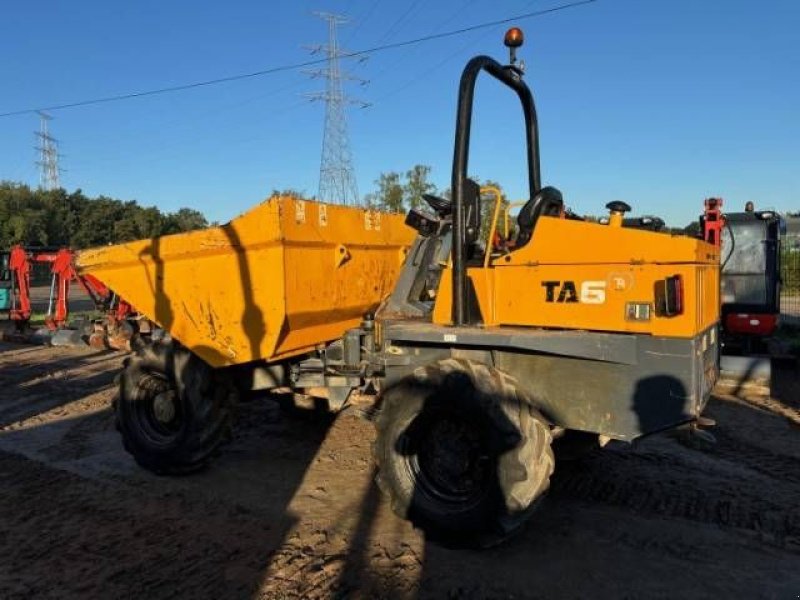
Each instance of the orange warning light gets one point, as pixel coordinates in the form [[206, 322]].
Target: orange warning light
[[514, 38]]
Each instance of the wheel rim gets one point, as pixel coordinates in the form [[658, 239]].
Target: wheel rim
[[450, 461], [157, 411]]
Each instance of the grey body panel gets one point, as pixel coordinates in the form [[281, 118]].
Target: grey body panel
[[620, 385], [421, 272], [584, 344]]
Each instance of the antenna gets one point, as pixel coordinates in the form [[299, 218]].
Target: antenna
[[337, 181], [48, 155]]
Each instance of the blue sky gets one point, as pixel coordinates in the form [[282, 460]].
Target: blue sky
[[658, 103]]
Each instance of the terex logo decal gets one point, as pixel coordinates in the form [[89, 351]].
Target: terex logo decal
[[591, 292]]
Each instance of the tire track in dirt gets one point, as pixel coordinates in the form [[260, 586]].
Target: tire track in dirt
[[318, 564], [86, 538], [634, 480], [762, 460]]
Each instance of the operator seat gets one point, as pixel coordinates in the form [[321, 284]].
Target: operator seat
[[548, 202]]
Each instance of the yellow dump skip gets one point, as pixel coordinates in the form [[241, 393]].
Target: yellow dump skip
[[275, 282]]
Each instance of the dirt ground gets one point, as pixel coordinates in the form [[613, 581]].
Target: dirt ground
[[289, 509]]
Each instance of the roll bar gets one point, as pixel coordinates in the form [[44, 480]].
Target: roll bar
[[511, 76]]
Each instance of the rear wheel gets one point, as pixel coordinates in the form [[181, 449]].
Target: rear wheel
[[461, 452], [173, 410]]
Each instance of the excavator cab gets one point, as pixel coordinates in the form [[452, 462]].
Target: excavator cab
[[750, 276], [5, 282]]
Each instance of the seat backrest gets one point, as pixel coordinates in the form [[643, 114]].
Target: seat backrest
[[547, 201]]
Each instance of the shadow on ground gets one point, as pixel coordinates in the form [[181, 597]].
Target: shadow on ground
[[82, 519], [289, 510]]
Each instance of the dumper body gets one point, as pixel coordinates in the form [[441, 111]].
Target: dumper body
[[275, 282]]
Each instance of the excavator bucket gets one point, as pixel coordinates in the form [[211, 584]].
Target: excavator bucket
[[275, 282]]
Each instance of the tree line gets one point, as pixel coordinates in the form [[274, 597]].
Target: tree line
[[399, 192], [71, 219], [35, 217]]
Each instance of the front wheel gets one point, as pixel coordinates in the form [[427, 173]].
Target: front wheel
[[173, 410], [461, 452]]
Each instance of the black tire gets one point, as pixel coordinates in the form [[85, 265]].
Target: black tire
[[461, 452], [173, 410]]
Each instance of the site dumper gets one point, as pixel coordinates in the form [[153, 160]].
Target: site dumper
[[480, 357]]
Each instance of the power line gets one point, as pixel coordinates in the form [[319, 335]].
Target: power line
[[458, 12], [191, 118], [360, 22], [421, 76], [395, 27], [404, 55], [291, 67], [158, 152]]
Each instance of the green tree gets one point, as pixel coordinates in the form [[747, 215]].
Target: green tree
[[149, 222], [58, 218], [27, 227], [417, 184], [15, 230], [693, 229], [289, 192], [186, 219], [389, 196]]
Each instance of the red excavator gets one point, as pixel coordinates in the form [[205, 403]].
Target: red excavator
[[114, 330]]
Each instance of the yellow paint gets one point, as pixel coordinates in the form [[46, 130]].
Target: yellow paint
[[625, 263], [275, 282]]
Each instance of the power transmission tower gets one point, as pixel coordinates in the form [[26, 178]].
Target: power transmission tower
[[48, 155], [337, 181]]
